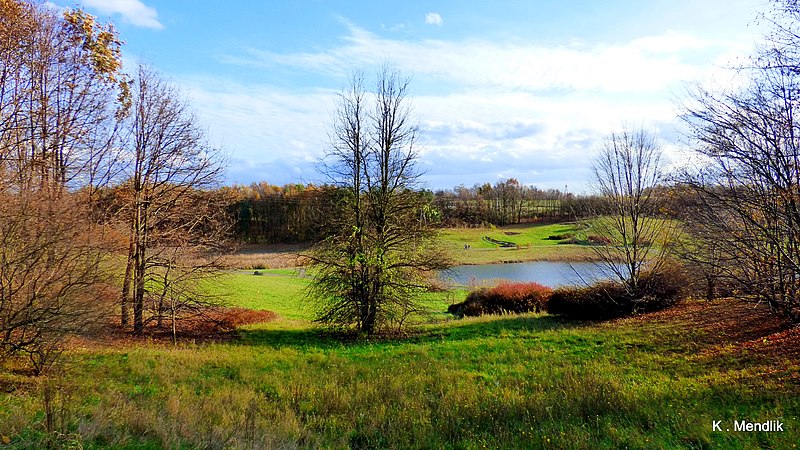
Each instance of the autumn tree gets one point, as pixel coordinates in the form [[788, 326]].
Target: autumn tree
[[176, 226], [627, 218], [369, 272], [61, 91], [750, 185]]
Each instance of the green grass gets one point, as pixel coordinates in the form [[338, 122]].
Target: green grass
[[532, 239], [534, 234], [530, 381], [278, 290], [283, 291]]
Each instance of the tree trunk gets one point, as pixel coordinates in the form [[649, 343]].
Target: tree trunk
[[139, 268], [126, 287], [710, 285], [138, 292], [174, 327]]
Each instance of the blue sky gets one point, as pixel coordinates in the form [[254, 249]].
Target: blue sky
[[522, 89]]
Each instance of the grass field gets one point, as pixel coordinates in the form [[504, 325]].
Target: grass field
[[531, 381], [533, 241]]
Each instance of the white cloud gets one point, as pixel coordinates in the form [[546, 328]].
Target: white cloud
[[262, 123], [467, 137], [52, 6], [433, 18], [487, 109], [648, 64], [133, 11]]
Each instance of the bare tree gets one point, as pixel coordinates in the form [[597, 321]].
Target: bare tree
[[52, 279], [171, 164], [747, 187], [371, 268], [629, 222], [750, 182], [61, 90]]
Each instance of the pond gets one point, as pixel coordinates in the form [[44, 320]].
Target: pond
[[547, 273]]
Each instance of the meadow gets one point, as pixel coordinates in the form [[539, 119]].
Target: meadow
[[533, 242], [514, 381]]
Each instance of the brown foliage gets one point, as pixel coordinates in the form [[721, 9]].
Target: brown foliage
[[505, 298], [52, 278], [607, 299]]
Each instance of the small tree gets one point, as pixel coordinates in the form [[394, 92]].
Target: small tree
[[627, 217], [370, 269], [52, 279]]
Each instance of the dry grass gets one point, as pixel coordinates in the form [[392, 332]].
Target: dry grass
[[729, 326], [271, 256], [214, 325]]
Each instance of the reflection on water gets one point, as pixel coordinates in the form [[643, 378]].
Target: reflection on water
[[547, 273]]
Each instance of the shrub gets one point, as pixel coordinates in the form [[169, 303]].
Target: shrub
[[598, 240], [606, 299], [504, 298]]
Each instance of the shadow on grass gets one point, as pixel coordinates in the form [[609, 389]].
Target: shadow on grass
[[489, 326], [457, 330], [296, 338]]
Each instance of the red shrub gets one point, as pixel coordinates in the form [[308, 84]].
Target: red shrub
[[506, 297], [607, 299]]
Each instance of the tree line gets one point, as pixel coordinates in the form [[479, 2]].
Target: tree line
[[266, 213]]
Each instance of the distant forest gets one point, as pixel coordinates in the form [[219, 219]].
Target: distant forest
[[267, 213]]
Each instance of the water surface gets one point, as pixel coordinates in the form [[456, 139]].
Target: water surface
[[547, 273]]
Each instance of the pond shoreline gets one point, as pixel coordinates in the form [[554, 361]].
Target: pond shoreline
[[582, 255], [547, 273]]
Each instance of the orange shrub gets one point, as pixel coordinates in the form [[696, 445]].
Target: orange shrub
[[504, 298]]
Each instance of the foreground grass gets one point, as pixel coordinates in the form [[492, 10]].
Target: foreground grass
[[530, 381]]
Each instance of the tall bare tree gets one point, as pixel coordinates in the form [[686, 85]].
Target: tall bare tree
[[171, 164], [750, 184], [626, 174], [371, 267], [748, 187]]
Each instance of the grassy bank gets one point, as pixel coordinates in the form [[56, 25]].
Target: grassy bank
[[533, 243], [530, 381], [533, 240]]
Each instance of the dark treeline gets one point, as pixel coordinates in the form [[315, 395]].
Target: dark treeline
[[267, 213], [271, 214]]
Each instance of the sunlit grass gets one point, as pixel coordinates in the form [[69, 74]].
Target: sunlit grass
[[533, 240], [529, 381], [278, 290]]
